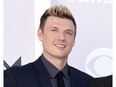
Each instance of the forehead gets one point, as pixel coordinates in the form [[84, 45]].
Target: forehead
[[59, 22]]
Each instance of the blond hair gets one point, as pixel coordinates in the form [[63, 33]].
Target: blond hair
[[57, 11]]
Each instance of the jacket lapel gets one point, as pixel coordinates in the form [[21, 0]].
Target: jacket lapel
[[42, 74], [44, 80], [79, 78], [74, 78]]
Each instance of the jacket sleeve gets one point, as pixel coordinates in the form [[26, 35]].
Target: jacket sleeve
[[9, 80]]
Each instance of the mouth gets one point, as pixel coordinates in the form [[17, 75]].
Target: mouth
[[61, 46]]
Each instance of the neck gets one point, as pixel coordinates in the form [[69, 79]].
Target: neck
[[59, 63]]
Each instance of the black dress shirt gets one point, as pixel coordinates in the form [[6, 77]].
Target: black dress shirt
[[52, 70]]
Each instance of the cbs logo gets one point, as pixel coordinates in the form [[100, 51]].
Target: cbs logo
[[99, 62]]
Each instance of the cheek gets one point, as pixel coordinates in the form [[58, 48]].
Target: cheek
[[71, 43], [47, 43], [47, 39]]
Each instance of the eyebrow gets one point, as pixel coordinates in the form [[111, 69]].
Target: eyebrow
[[65, 30]]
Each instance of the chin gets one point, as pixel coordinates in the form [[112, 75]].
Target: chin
[[61, 55]]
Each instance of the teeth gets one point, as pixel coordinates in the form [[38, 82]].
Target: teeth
[[60, 45]]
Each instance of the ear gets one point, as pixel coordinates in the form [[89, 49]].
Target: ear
[[73, 42], [40, 34]]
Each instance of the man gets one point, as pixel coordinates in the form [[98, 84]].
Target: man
[[57, 32], [101, 82]]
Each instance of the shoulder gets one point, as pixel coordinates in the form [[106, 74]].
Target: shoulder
[[79, 78], [17, 74], [30, 67], [79, 73], [101, 82], [20, 70], [105, 79]]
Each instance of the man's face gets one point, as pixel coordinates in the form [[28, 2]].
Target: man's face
[[57, 37]]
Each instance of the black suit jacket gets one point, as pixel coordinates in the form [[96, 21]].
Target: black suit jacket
[[35, 75], [101, 82]]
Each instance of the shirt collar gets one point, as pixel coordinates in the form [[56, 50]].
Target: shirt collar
[[52, 70]]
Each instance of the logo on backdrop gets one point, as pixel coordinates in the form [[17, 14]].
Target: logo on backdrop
[[91, 1], [17, 63], [99, 62]]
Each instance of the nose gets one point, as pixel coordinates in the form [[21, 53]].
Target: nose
[[61, 36]]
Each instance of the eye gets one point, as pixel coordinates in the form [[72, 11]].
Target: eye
[[69, 32], [54, 29]]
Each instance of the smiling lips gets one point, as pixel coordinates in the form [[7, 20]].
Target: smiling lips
[[60, 46]]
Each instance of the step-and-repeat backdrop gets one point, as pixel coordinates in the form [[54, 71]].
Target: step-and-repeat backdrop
[[92, 52]]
